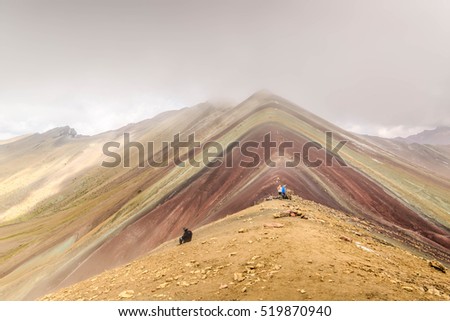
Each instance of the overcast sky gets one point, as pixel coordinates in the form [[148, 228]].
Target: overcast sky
[[379, 67]]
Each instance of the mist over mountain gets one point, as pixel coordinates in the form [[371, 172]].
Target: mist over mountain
[[378, 68]]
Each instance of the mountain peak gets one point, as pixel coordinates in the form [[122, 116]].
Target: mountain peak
[[263, 93], [65, 131], [263, 97]]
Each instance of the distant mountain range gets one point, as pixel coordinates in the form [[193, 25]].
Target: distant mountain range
[[437, 136], [64, 217]]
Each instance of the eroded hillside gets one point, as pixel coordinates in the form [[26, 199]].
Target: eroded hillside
[[319, 254]]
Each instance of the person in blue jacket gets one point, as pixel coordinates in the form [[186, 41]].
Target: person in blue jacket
[[283, 192]]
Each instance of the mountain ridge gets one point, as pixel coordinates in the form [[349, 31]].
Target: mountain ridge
[[252, 255]]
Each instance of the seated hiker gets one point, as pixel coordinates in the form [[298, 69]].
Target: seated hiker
[[187, 236]]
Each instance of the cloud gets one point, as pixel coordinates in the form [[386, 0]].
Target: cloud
[[399, 131], [96, 65], [384, 131]]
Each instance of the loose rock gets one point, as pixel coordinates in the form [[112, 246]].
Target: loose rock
[[126, 294], [273, 225], [346, 239], [239, 277], [438, 266], [163, 285]]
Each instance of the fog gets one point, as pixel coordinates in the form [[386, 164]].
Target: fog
[[377, 67]]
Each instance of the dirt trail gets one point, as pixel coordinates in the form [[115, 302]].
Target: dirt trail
[[253, 256]]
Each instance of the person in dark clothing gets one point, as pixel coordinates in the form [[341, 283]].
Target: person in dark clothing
[[187, 236]]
